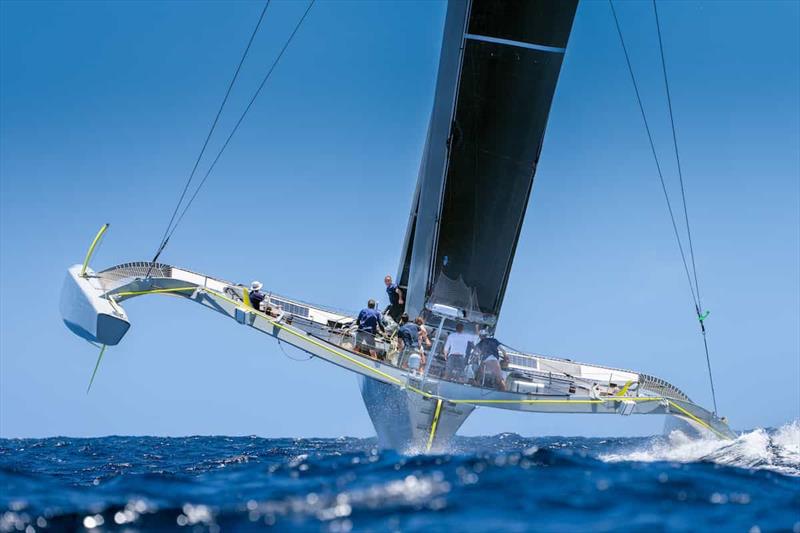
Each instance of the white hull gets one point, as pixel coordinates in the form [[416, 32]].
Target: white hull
[[86, 313]]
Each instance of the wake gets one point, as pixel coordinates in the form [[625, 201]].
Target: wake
[[777, 450]]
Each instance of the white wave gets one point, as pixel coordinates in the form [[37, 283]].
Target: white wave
[[777, 450]]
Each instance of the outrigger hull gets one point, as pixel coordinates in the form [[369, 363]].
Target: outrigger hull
[[87, 313], [409, 411]]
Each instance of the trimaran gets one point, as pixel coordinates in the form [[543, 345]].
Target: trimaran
[[498, 69]]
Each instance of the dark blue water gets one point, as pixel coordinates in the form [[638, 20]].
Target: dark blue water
[[500, 483]]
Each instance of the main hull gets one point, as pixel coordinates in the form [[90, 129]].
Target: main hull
[[410, 422]]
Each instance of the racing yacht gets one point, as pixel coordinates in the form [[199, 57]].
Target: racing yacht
[[498, 70]]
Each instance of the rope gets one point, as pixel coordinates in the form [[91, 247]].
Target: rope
[[655, 155], [677, 156], [280, 345], [699, 304], [164, 238], [241, 119], [691, 278]]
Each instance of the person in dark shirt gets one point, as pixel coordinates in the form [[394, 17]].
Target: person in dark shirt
[[408, 333], [396, 301], [488, 347], [490, 373], [256, 296], [369, 322], [413, 339]]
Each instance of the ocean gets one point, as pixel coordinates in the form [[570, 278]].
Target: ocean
[[498, 483]]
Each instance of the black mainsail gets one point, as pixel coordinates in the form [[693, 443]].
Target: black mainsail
[[499, 66]]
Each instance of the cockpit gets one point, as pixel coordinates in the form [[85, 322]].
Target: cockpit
[[451, 346]]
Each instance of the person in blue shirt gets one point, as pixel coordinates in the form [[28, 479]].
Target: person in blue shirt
[[488, 347], [408, 333], [493, 358], [396, 301], [255, 294], [413, 338], [369, 322]]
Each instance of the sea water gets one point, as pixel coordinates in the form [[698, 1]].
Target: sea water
[[498, 483]]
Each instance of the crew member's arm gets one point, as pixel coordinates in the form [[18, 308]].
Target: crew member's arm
[[399, 292]]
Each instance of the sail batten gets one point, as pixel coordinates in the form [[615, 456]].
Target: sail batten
[[532, 46]]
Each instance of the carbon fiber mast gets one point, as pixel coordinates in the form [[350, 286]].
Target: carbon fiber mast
[[498, 70]]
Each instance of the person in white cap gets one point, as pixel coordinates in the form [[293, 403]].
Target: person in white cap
[[256, 296]]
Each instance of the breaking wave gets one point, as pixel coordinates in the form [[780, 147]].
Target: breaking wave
[[777, 450]]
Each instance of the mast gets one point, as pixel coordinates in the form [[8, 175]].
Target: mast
[[498, 70]]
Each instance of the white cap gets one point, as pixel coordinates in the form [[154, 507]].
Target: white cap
[[256, 286]]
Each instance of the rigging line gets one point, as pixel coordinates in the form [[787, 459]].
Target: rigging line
[[699, 307], [164, 237], [241, 119], [280, 345], [678, 160], [695, 296], [708, 364], [655, 155]]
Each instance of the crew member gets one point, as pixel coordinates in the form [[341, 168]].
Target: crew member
[[424, 340], [396, 301], [408, 337], [255, 294], [369, 323], [473, 359], [490, 373], [413, 338], [455, 353]]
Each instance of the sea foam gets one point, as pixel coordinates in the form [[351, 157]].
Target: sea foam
[[770, 449]]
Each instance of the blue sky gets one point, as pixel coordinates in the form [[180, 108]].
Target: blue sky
[[103, 107]]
